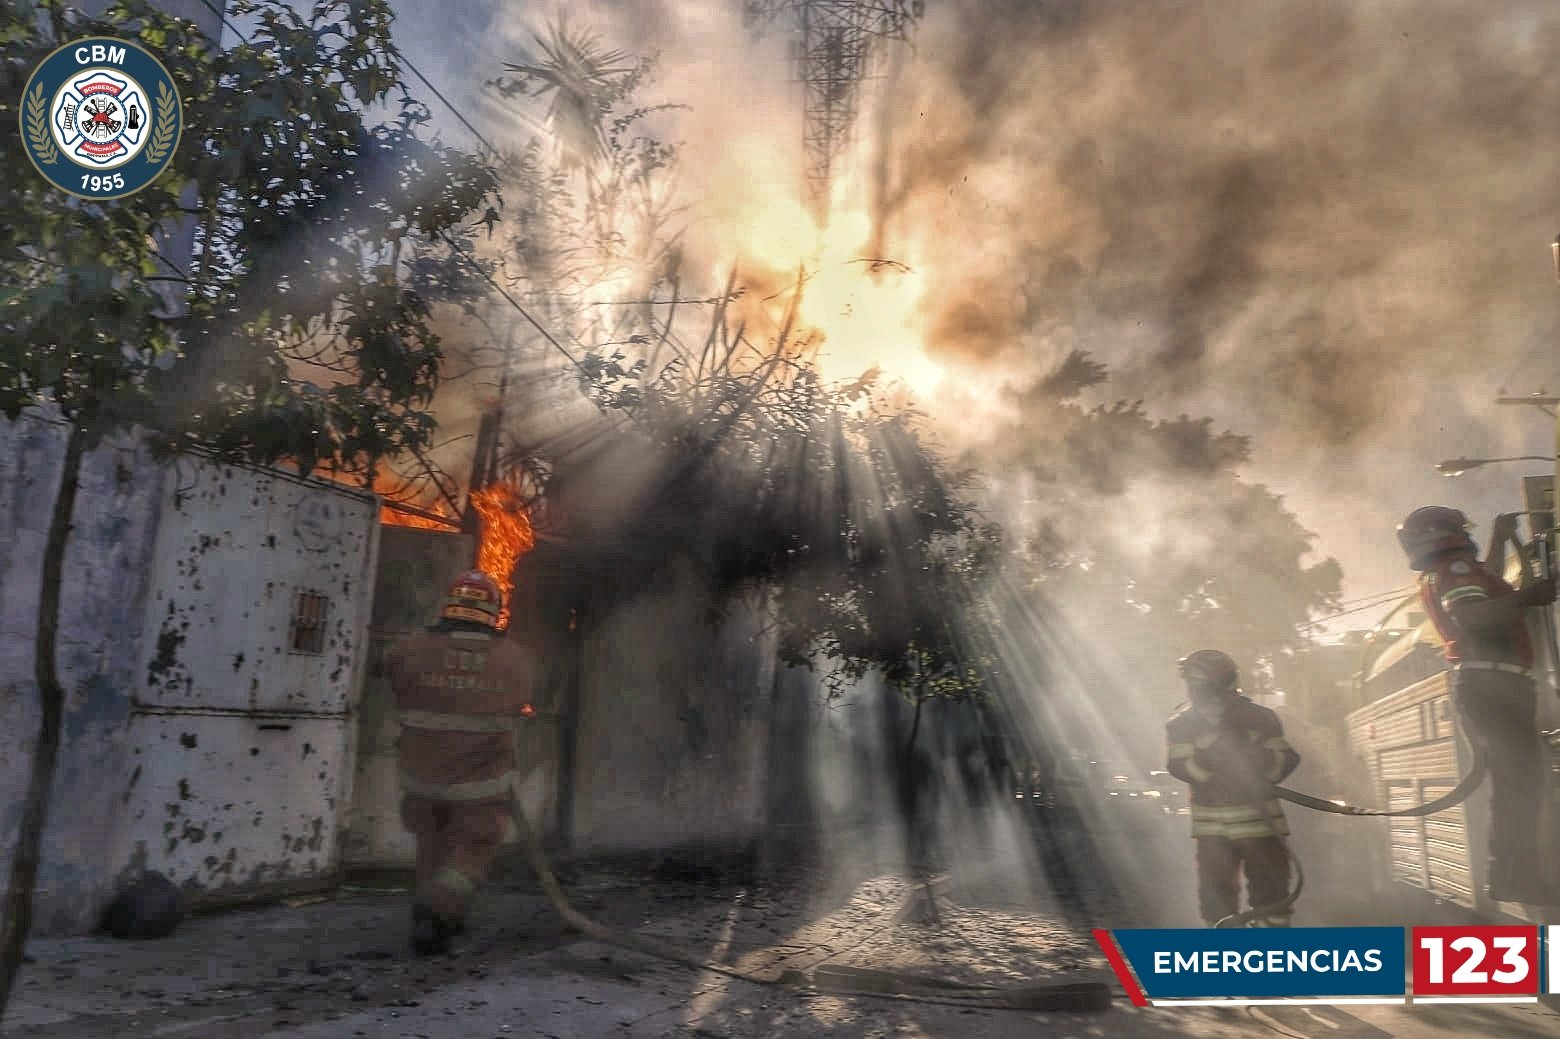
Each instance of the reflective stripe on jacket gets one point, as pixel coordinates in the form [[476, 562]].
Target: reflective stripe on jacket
[[1238, 821], [1459, 578], [1231, 766]]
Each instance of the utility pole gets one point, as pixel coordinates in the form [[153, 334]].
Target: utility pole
[[1546, 540], [1546, 402]]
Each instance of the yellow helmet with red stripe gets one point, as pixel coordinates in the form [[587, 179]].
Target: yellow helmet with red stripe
[[473, 596]]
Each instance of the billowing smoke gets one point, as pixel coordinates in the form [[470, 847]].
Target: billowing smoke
[[1324, 224], [1293, 204]]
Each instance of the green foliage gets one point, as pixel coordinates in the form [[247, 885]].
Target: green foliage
[[1147, 525], [828, 499], [597, 206], [583, 81], [321, 242]]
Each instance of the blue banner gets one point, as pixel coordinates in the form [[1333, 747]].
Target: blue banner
[[1258, 963]]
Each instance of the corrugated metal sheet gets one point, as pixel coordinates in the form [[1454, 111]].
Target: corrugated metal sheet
[[1396, 720], [1409, 740], [1433, 759], [228, 803], [255, 636], [245, 561]]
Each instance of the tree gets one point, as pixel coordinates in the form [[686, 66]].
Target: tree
[[827, 496], [1142, 534], [825, 501], [302, 331]]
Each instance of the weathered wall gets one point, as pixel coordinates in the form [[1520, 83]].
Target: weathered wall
[[254, 636], [236, 548], [673, 730], [835, 772], [197, 740], [100, 660]]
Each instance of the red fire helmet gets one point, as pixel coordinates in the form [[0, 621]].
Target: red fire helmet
[[473, 596]]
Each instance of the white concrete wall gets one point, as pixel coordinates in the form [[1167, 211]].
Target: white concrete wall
[[228, 774], [241, 742], [673, 732], [100, 661]]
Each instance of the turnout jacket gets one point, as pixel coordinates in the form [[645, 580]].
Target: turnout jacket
[[1232, 766], [1459, 577], [459, 696]]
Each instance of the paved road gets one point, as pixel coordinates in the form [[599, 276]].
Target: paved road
[[337, 970]]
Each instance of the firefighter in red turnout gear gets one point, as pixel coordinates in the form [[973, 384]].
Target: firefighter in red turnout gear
[[1232, 752], [1483, 624], [460, 690]]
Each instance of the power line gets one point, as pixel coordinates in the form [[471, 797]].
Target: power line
[[1386, 595], [513, 302], [492, 150], [1359, 609]]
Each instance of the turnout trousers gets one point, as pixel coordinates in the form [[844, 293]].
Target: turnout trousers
[[1220, 862], [457, 842], [1499, 710]]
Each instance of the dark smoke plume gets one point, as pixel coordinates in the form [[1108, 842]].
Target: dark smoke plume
[[1292, 210]]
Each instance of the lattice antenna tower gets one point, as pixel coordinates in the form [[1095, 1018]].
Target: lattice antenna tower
[[834, 48]]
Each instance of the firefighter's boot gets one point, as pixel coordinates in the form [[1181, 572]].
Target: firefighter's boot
[[431, 934]]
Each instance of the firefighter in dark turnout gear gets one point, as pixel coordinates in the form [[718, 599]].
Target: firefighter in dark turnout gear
[[460, 690], [1483, 624], [1232, 752]]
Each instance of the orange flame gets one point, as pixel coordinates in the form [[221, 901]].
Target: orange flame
[[441, 517], [437, 513], [506, 536]]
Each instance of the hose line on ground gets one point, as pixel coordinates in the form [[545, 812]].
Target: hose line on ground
[[1073, 997]]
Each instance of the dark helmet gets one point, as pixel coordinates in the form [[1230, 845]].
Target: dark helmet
[[1429, 531], [1209, 671]]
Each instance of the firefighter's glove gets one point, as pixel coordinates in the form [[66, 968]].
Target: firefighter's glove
[[1219, 756]]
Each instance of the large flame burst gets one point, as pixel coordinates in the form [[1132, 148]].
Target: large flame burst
[[506, 536], [865, 307]]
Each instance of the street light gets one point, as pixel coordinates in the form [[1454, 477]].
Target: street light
[[1458, 466]]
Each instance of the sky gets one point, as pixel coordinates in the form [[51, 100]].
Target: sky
[[1323, 223]]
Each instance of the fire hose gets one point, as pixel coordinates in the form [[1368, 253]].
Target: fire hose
[[1248, 917], [1065, 997], [1451, 798], [1459, 793], [1477, 770]]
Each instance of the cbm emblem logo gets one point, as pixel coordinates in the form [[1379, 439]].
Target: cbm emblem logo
[[101, 118]]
